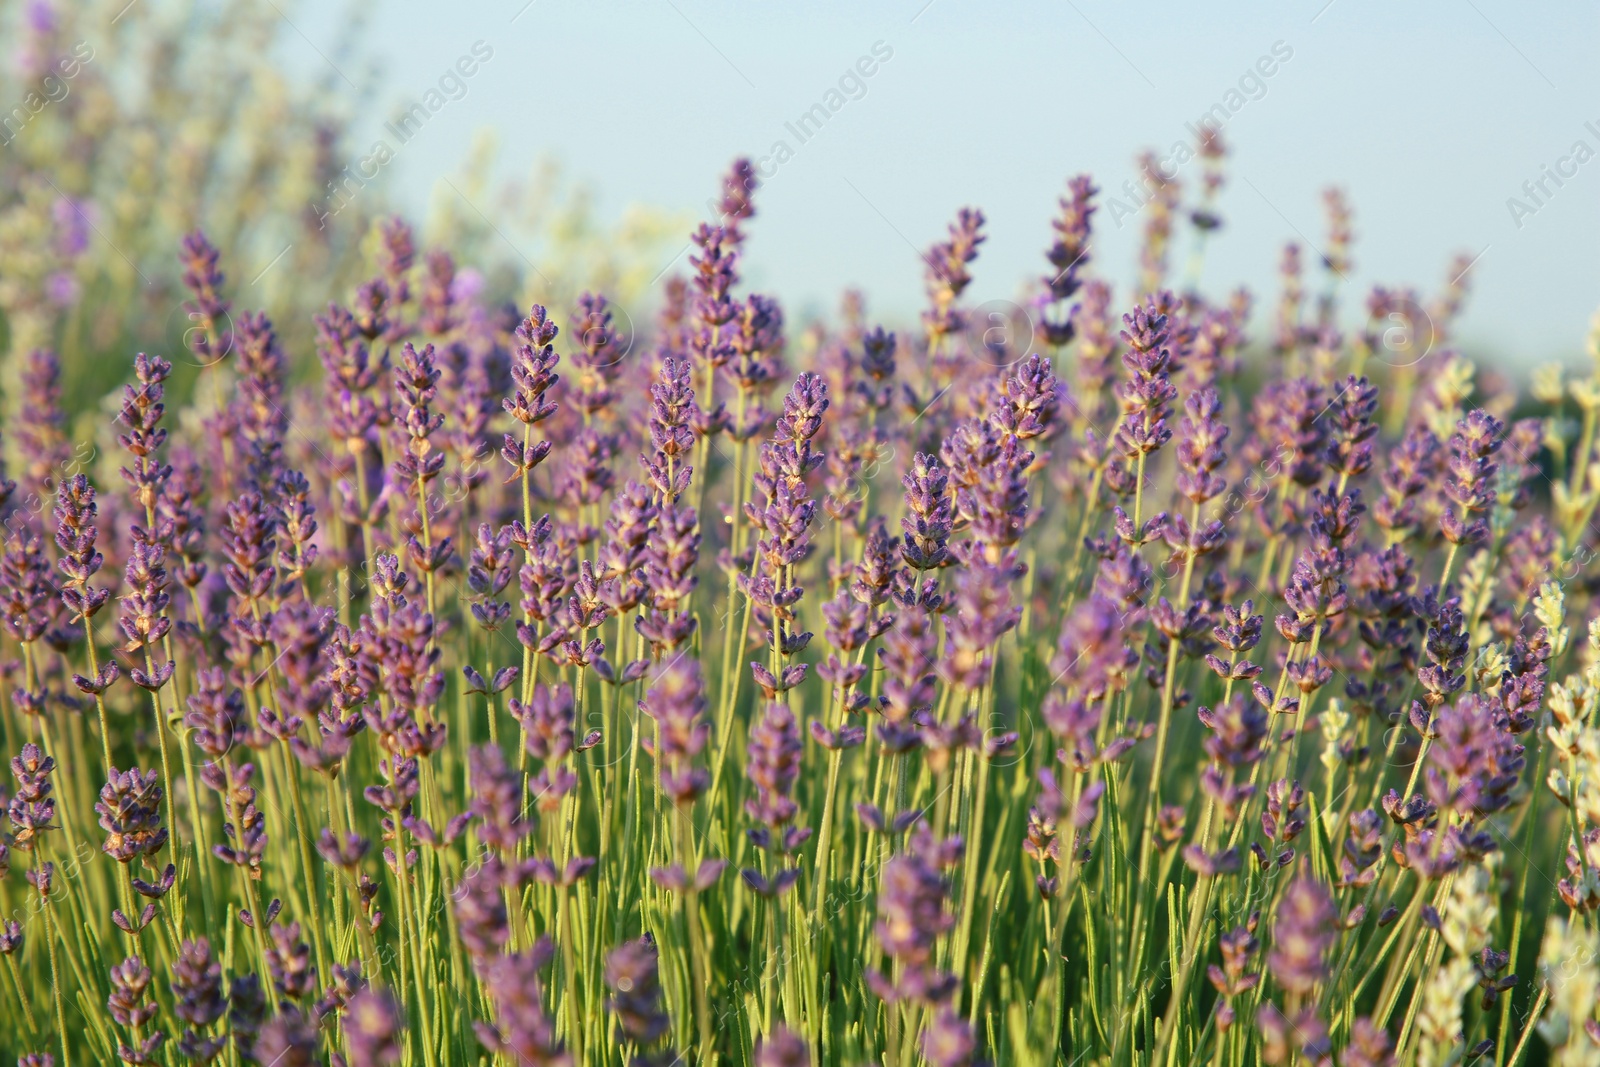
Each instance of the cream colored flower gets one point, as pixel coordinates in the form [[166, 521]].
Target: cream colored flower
[[1470, 912], [1568, 967], [1439, 1021]]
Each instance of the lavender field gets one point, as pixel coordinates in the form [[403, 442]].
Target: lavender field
[[417, 660]]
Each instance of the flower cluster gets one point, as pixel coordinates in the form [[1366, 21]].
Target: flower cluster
[[1074, 692]]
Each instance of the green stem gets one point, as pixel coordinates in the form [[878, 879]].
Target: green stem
[[51, 931]]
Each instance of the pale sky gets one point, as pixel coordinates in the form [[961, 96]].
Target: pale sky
[[1431, 113]]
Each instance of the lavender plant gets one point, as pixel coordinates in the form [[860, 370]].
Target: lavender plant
[[1156, 697]]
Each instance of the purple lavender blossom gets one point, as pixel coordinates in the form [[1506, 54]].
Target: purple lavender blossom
[[247, 1011], [130, 814], [289, 962], [908, 657], [929, 516], [496, 799], [1239, 947], [1068, 254], [1238, 732], [1411, 467], [1305, 931], [198, 999], [1200, 455], [982, 614], [633, 977], [130, 1005], [480, 908], [784, 511], [670, 558], [911, 916], [216, 715], [533, 366], [142, 410], [948, 1041], [736, 204], [27, 595], [782, 1048], [991, 490], [522, 1030], [297, 548], [244, 827], [288, 1039], [40, 423], [76, 515], [1148, 390], [947, 276], [1469, 484], [672, 408], [420, 462], [1025, 400], [144, 622], [715, 274], [775, 751], [441, 293], [32, 806], [259, 406], [1370, 1046], [1474, 764], [206, 307], [374, 1027], [676, 701], [1349, 447], [598, 356]]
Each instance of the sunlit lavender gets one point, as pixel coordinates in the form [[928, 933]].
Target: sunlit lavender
[[411, 674]]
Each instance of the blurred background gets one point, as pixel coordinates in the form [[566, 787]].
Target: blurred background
[[559, 144]]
